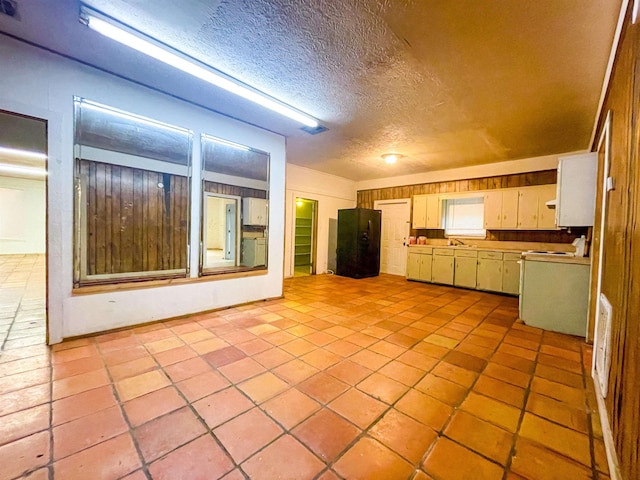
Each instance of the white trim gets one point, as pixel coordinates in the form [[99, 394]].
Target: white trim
[[609, 445], [236, 181], [607, 75], [605, 137], [132, 161]]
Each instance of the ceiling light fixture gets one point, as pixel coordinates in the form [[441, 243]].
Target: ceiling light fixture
[[37, 172], [634, 13], [118, 32], [15, 152], [391, 158]]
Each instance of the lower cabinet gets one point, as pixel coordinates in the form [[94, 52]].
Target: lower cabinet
[[469, 268], [490, 267], [511, 273], [442, 266], [466, 266], [419, 264]]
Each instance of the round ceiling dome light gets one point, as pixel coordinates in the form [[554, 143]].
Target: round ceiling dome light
[[391, 158]]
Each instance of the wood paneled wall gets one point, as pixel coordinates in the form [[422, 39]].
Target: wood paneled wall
[[224, 189], [136, 220], [621, 258], [366, 199]]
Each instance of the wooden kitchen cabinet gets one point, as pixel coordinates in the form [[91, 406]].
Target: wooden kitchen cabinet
[[466, 265], [419, 263], [546, 215], [419, 217], [501, 209], [490, 265], [527, 209], [511, 273], [426, 212], [493, 210], [434, 212], [442, 266], [254, 211]]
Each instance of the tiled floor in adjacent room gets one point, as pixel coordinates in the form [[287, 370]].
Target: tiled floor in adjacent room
[[375, 379], [22, 301]]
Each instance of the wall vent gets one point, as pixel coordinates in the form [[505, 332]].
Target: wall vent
[[602, 349], [311, 130], [8, 7]]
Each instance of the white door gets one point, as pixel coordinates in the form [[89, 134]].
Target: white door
[[230, 236], [394, 235]]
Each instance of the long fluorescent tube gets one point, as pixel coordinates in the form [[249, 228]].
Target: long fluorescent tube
[[38, 172], [178, 60], [226, 143], [128, 116], [22, 153]]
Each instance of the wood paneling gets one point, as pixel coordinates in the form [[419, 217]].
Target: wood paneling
[[621, 255], [366, 199], [132, 223], [223, 188]]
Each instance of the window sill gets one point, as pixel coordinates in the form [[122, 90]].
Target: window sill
[[117, 287]]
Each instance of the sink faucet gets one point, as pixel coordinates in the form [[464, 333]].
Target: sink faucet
[[460, 242]]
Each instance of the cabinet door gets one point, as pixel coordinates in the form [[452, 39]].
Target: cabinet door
[[511, 277], [465, 273], [493, 210], [510, 209], [425, 268], [546, 215], [413, 265], [489, 275], [434, 213], [528, 209], [442, 269], [254, 211], [419, 219]]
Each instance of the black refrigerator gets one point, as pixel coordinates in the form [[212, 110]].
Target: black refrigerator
[[358, 252]]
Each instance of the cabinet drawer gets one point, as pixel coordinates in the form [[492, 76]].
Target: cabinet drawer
[[466, 253], [443, 252], [490, 255], [421, 249], [512, 257]]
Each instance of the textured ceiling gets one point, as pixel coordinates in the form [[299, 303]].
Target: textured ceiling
[[446, 83]]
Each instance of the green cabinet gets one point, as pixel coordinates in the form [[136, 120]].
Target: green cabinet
[[419, 263], [466, 265], [490, 266], [442, 266], [511, 273]]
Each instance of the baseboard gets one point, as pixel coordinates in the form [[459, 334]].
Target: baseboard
[[609, 444]]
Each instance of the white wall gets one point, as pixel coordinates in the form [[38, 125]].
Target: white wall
[[332, 194], [22, 220], [41, 84]]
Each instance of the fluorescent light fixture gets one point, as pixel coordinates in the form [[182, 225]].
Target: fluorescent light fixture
[[634, 14], [22, 153], [37, 172], [128, 116], [226, 143], [146, 45]]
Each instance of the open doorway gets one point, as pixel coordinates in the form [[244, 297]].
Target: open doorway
[[222, 219], [23, 220], [305, 237]]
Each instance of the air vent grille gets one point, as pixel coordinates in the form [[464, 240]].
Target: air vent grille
[[313, 130], [8, 7]]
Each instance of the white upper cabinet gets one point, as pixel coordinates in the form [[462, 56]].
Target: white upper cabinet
[[576, 195], [254, 211]]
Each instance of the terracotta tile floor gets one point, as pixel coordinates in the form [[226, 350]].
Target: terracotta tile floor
[[22, 301], [375, 379]]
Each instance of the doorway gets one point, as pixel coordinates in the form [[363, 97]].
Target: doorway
[[394, 234], [305, 237], [220, 232], [23, 227]]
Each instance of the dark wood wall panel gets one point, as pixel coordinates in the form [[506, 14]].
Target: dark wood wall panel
[[621, 256], [224, 189], [133, 224], [366, 199]]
